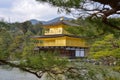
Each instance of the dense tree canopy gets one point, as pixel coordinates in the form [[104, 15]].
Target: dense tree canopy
[[106, 49]]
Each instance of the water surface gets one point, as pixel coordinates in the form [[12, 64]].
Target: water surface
[[15, 74]]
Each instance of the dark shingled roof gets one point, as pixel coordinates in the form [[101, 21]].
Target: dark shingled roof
[[62, 22], [56, 35]]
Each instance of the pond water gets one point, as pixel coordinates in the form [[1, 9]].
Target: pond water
[[15, 74]]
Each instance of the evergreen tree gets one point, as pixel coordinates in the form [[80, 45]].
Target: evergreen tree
[[91, 8]]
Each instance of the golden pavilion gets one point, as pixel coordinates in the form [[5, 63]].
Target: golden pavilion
[[56, 38]]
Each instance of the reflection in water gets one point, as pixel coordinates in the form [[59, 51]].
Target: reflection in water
[[15, 74]]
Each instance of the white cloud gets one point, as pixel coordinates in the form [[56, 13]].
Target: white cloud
[[22, 10]]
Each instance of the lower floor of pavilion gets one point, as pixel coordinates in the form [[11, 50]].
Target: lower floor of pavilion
[[64, 51]]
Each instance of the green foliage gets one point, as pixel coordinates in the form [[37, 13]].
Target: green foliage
[[86, 71], [36, 29], [45, 61], [4, 26], [107, 48], [24, 26], [114, 21], [28, 48], [63, 3], [5, 41], [93, 28], [117, 68], [15, 48], [15, 38]]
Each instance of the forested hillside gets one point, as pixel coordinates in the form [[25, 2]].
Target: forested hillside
[[16, 44], [14, 37]]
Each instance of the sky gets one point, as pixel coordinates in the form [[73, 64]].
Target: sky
[[22, 10]]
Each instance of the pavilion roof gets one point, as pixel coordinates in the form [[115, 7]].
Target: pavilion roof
[[65, 22], [56, 35]]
